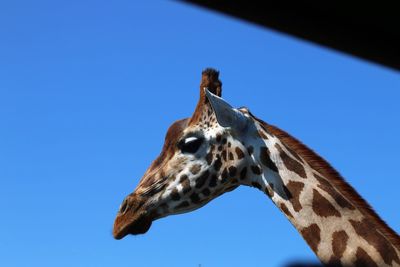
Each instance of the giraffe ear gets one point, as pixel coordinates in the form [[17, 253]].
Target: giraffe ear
[[227, 116]]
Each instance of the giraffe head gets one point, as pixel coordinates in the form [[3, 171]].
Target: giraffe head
[[202, 157]]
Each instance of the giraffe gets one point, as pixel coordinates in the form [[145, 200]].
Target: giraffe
[[220, 148]]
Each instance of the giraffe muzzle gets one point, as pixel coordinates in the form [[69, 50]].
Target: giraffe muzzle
[[132, 218]]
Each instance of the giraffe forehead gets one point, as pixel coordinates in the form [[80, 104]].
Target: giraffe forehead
[[174, 133], [207, 130]]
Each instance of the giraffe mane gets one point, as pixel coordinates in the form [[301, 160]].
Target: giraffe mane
[[334, 177]]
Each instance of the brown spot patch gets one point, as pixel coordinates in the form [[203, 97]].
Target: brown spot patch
[[312, 235], [291, 151], [256, 169], [232, 171], [195, 168], [184, 180], [367, 231], [322, 207], [285, 210], [363, 259], [239, 153], [224, 175], [206, 191], [175, 195], [291, 164], [327, 187], [266, 159], [231, 156], [339, 243], [217, 163], [194, 198], [213, 181], [243, 173], [295, 189], [200, 181], [263, 135]]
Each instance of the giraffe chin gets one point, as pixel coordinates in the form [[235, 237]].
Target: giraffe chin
[[138, 226]]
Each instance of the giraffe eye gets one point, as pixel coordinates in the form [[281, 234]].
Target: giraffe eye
[[190, 144]]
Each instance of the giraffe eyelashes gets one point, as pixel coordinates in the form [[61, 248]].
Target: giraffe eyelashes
[[190, 144]]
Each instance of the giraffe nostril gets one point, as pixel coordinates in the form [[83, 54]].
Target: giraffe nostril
[[124, 206]]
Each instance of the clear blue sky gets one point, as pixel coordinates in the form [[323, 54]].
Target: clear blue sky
[[88, 89]]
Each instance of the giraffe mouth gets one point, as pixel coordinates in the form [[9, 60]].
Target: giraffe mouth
[[126, 225]]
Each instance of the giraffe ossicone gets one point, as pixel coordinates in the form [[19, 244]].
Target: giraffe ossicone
[[220, 148]]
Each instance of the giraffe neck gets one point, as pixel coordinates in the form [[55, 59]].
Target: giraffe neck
[[334, 220]]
